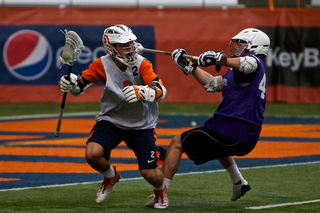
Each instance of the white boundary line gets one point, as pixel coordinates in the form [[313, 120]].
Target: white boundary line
[[254, 167], [52, 115], [178, 174], [283, 204], [17, 117]]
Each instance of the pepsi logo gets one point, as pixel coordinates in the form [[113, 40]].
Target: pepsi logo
[[27, 55]]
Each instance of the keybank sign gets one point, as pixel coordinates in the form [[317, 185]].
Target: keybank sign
[[293, 48], [308, 58], [293, 58]]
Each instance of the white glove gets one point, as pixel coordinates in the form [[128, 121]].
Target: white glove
[[209, 58], [139, 93], [139, 48], [71, 85]]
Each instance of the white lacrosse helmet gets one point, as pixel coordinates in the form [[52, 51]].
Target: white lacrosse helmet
[[251, 41], [120, 34]]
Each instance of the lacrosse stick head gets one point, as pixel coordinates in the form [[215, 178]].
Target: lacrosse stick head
[[120, 42], [72, 47]]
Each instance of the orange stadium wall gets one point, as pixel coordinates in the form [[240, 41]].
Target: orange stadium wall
[[292, 64]]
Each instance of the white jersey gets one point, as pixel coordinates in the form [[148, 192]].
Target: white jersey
[[114, 108]]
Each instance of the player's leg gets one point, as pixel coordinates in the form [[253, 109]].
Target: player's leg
[[202, 145], [173, 157], [102, 140], [155, 178], [95, 157], [240, 185], [149, 157], [169, 168]]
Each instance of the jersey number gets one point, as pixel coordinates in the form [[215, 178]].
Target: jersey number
[[135, 70], [152, 154], [262, 87]]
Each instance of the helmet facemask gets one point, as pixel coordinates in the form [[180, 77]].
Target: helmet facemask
[[237, 47], [125, 53]]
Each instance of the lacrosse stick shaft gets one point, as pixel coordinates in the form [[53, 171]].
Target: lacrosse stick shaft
[[195, 58], [63, 102]]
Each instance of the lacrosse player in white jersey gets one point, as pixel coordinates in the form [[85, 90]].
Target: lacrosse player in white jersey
[[129, 108]]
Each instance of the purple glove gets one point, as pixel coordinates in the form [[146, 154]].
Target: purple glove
[[181, 62], [209, 58]]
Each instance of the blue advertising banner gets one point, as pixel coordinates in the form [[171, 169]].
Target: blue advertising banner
[[31, 53]]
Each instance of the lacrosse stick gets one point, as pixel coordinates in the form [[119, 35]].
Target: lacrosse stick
[[195, 58], [72, 48]]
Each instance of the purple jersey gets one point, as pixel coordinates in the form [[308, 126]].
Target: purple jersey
[[240, 113]]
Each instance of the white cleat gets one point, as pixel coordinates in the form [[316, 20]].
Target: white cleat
[[239, 190], [106, 186], [161, 199], [151, 202]]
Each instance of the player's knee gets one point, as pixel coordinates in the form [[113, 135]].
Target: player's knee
[[93, 152], [176, 143], [148, 174]]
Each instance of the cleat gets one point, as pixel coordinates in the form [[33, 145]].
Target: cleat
[[106, 186], [151, 202], [239, 190], [161, 199]]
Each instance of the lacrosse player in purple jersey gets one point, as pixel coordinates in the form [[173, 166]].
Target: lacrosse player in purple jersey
[[236, 125]]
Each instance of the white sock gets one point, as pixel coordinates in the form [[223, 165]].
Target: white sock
[[167, 182], [109, 173], [159, 188], [235, 174]]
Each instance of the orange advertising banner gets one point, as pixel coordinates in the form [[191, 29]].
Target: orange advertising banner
[[292, 65]]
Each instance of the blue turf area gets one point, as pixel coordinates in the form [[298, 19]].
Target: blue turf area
[[167, 121]]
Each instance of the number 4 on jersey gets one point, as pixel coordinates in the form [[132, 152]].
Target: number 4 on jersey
[[262, 87]]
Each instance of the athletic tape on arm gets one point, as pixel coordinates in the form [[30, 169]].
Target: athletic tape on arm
[[214, 84]]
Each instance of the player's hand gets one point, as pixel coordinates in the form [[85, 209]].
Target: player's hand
[[138, 93], [182, 63], [139, 48], [210, 58], [68, 85]]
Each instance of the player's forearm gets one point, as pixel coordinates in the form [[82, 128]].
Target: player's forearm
[[201, 76], [231, 62]]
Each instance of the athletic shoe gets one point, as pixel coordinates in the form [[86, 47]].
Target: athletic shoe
[[151, 202], [239, 190], [106, 186], [161, 199]]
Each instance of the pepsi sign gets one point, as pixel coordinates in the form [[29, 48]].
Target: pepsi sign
[[31, 53], [27, 55]]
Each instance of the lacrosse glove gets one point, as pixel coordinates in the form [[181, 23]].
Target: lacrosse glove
[[183, 63], [139, 93], [210, 58], [139, 48], [70, 85]]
